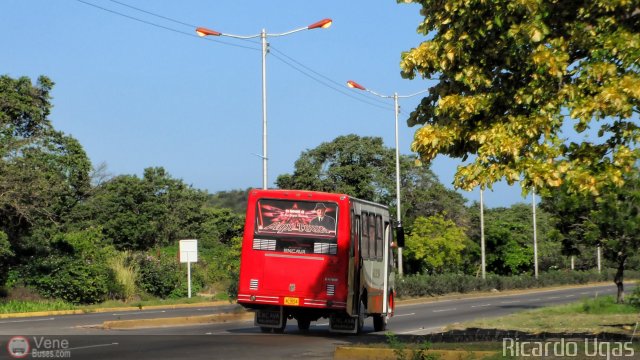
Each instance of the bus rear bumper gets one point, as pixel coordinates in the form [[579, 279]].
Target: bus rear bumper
[[251, 300]]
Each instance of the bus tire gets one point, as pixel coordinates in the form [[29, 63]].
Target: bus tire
[[379, 322], [361, 316], [304, 324], [280, 329]]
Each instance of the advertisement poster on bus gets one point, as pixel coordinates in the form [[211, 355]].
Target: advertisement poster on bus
[[285, 217]]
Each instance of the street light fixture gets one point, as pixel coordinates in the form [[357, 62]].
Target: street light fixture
[[202, 31], [354, 85]]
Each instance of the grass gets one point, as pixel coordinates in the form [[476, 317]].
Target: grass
[[599, 315], [589, 316], [20, 306]]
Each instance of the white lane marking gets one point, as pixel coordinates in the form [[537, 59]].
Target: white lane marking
[[569, 296], [443, 310], [553, 297], [399, 315], [93, 346], [510, 302], [538, 299], [585, 293], [477, 306], [139, 313], [27, 320]]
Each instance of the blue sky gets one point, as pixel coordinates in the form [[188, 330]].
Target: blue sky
[[138, 95]]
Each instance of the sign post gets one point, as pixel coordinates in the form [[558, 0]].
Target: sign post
[[189, 254]]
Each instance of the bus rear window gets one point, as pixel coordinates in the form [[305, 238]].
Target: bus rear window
[[296, 218]]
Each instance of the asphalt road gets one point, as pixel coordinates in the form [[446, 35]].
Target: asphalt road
[[241, 340]]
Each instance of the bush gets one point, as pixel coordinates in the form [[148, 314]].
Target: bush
[[71, 280], [157, 275]]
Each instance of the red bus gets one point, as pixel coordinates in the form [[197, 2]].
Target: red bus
[[308, 255]]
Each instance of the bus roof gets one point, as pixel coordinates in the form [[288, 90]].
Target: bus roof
[[309, 195]]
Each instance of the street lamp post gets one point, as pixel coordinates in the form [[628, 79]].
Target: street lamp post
[[354, 85], [202, 31]]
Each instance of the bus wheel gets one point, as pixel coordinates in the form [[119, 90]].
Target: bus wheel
[[304, 324], [280, 330], [379, 322], [361, 316]]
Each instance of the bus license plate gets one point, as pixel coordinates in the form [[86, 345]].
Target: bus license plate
[[294, 301]]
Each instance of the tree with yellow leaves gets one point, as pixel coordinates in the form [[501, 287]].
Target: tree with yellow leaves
[[515, 75]]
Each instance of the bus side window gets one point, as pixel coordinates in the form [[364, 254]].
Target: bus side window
[[379, 236], [372, 236], [364, 244]]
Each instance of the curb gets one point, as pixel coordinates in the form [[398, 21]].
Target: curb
[[175, 321], [353, 352], [102, 310]]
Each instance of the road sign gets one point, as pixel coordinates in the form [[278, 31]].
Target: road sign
[[189, 251], [189, 254]]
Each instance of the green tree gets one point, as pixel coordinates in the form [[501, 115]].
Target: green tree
[[509, 240], [140, 213], [424, 195], [610, 220], [5, 254], [435, 244], [43, 172], [235, 200], [570, 213], [354, 165], [512, 74], [219, 226], [616, 221], [363, 167]]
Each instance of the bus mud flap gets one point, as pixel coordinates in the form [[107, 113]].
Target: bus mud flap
[[270, 317], [343, 323]]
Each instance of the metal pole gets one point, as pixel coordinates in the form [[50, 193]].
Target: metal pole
[[398, 214], [263, 36], [188, 275], [482, 248], [599, 251], [535, 236]]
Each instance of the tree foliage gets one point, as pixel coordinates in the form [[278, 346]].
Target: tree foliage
[[610, 220], [436, 244], [232, 199], [350, 164], [509, 241], [140, 213], [363, 167], [43, 173], [514, 75]]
